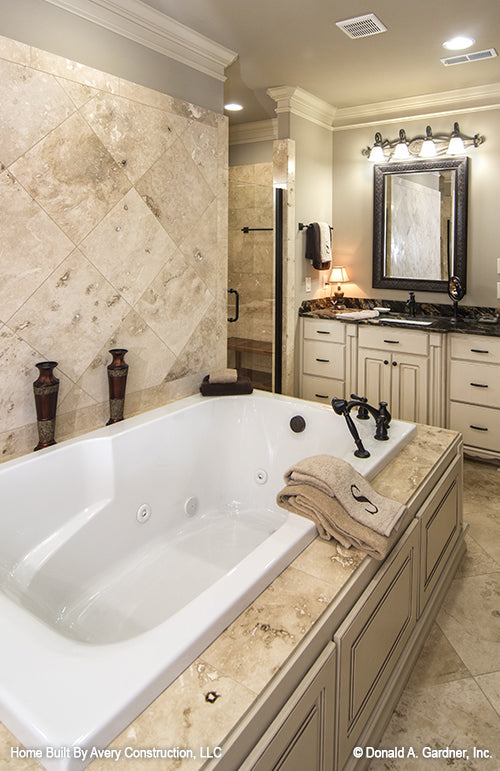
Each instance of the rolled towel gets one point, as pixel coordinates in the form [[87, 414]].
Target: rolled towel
[[355, 315], [338, 479], [224, 375], [332, 521]]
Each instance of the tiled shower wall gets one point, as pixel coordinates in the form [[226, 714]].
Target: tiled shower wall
[[251, 255], [113, 217]]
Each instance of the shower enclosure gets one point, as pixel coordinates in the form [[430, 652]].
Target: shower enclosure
[[255, 275]]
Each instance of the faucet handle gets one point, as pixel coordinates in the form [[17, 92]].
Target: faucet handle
[[362, 413], [384, 412]]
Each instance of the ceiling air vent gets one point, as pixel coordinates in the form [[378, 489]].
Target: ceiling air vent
[[362, 26], [476, 56]]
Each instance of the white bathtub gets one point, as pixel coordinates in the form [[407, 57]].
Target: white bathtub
[[124, 553]]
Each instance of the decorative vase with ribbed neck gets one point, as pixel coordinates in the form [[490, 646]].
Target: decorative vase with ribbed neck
[[46, 389], [117, 381]]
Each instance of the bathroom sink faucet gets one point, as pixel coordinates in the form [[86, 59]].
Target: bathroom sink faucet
[[411, 304], [382, 420]]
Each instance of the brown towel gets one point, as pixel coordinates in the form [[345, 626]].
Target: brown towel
[[332, 521], [337, 478], [314, 244], [242, 386]]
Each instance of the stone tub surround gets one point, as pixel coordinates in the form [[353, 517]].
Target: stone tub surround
[[239, 666], [113, 201], [441, 315]]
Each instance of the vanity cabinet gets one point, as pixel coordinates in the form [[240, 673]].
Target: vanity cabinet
[[393, 366], [404, 367], [474, 391], [326, 359]]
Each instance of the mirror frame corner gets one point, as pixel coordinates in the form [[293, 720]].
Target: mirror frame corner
[[380, 171]]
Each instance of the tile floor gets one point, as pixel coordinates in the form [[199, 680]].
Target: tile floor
[[452, 698]]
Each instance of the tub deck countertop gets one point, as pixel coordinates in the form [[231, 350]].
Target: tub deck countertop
[[204, 703]]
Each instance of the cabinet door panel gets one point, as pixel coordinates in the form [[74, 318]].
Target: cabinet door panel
[[441, 526], [374, 376], [302, 735], [371, 639], [409, 388]]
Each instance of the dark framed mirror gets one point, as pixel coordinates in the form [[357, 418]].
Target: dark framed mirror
[[420, 224]]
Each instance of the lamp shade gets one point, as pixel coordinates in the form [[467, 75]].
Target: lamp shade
[[338, 275]]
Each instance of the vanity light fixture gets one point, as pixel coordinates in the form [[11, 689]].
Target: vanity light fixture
[[401, 151], [377, 151], [338, 276], [423, 146], [428, 149]]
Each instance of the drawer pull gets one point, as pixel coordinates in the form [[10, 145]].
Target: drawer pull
[[478, 350], [394, 342], [321, 396], [325, 361], [478, 428], [322, 332], [479, 385]]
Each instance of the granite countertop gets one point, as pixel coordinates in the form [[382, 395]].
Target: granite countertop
[[204, 703], [440, 316]]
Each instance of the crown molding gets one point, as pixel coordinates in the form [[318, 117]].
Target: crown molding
[[139, 22], [258, 131], [426, 105], [295, 100]]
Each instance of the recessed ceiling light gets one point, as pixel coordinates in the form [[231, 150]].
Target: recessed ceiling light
[[458, 43], [233, 106]]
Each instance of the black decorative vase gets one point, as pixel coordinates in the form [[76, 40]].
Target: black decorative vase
[[117, 381], [46, 389]]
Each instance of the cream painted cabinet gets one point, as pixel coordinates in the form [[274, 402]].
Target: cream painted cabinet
[[302, 735], [440, 527], [474, 391], [326, 356], [371, 639], [404, 368]]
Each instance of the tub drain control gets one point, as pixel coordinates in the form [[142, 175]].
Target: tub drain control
[[143, 512], [297, 424]]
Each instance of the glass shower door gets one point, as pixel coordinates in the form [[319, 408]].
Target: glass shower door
[[252, 326]]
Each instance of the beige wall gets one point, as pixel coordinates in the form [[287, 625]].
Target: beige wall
[[43, 25], [353, 202], [113, 203]]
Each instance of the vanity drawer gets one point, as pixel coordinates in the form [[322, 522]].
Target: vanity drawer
[[324, 359], [391, 339], [480, 426], [324, 329], [476, 383], [321, 389], [475, 348]]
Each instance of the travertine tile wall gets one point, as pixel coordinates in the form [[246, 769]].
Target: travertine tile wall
[[113, 216]]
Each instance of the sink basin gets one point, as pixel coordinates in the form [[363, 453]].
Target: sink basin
[[416, 322]]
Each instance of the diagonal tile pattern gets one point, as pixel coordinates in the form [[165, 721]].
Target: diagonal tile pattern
[[111, 198], [453, 696]]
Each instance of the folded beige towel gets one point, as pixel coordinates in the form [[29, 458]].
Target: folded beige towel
[[340, 480], [223, 376], [332, 521], [359, 315]]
